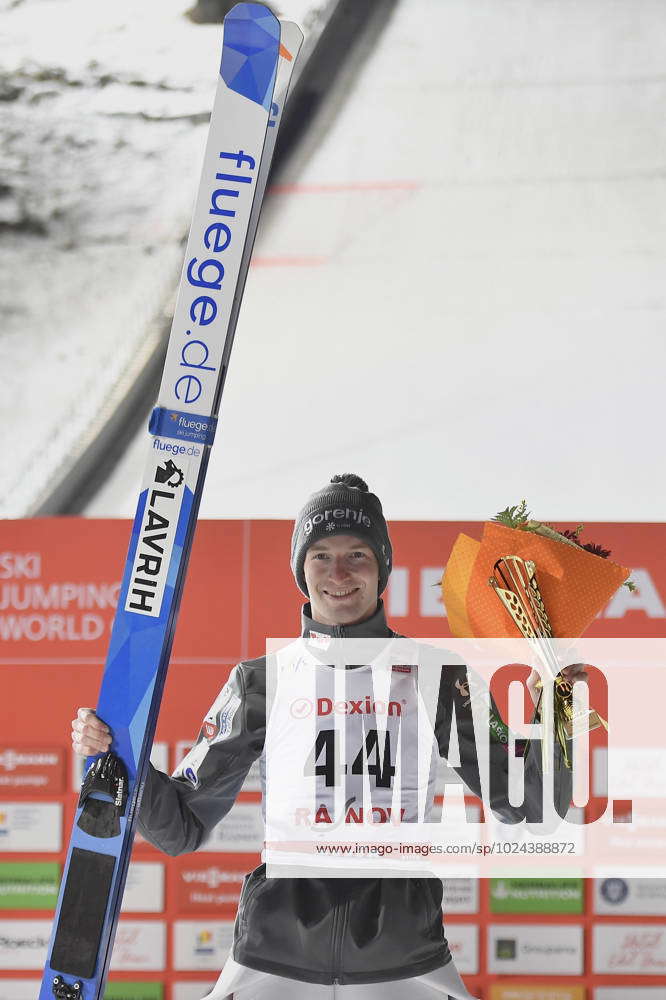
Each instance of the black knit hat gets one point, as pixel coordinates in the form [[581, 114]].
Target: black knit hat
[[344, 504]]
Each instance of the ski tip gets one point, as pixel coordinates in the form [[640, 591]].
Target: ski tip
[[291, 39], [250, 52]]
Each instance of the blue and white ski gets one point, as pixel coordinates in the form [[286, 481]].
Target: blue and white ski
[[258, 55]]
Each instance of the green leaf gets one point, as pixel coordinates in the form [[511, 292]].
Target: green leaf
[[513, 517]]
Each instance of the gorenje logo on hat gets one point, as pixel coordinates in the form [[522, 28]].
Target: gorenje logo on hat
[[358, 517]]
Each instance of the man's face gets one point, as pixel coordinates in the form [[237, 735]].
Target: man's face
[[342, 576]]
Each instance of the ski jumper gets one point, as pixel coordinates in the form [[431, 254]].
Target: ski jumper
[[325, 931]]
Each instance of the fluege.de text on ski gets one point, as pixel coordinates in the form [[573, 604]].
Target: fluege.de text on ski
[[208, 273]]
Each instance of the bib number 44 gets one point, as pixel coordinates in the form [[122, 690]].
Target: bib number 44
[[372, 758]]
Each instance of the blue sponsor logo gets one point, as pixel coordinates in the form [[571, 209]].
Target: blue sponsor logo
[[173, 448], [182, 426]]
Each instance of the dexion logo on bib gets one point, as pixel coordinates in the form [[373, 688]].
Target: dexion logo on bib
[[164, 498], [363, 706]]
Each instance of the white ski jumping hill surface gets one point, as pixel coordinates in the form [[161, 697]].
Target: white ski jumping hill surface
[[458, 286]]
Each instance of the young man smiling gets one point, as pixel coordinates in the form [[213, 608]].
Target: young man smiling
[[342, 578], [312, 938]]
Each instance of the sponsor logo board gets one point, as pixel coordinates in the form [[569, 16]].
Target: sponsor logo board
[[535, 991], [636, 772], [528, 948], [201, 944], [24, 943], [629, 949], [29, 885], [19, 989], [636, 896], [31, 769], [140, 945], [241, 830], [634, 844], [464, 944], [461, 895], [127, 990], [205, 884], [190, 991], [536, 895], [144, 889], [30, 826]]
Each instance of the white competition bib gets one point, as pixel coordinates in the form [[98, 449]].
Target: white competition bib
[[348, 743]]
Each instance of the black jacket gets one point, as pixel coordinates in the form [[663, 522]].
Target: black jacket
[[318, 930]]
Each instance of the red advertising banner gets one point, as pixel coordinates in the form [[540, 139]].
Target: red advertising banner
[[59, 582], [211, 882], [32, 769]]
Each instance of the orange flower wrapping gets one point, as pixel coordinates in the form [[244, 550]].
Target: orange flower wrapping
[[575, 584]]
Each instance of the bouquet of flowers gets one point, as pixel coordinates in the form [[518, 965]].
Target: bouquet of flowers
[[525, 577]]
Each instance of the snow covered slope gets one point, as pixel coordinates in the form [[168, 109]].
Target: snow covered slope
[[103, 118], [459, 289]]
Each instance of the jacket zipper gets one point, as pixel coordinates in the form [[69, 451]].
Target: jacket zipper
[[248, 896], [334, 934], [338, 925], [341, 924], [339, 928]]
